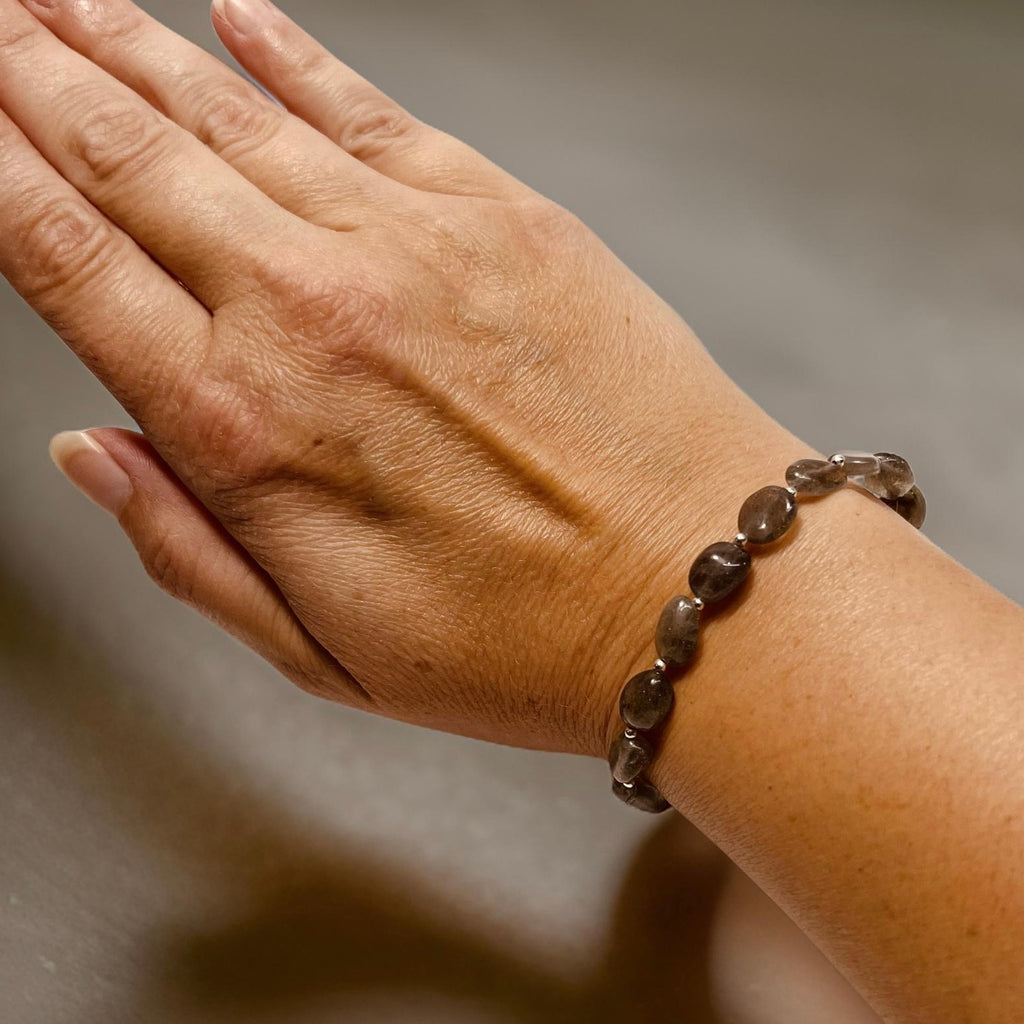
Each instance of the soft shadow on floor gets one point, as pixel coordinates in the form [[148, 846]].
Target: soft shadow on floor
[[325, 934], [310, 919]]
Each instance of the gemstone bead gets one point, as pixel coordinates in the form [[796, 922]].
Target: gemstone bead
[[815, 476], [718, 570], [629, 756], [767, 514], [676, 635], [646, 700], [893, 479], [641, 795], [911, 506], [858, 463]]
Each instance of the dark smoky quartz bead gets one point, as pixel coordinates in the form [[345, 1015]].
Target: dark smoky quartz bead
[[911, 506], [767, 514], [641, 795], [815, 476], [893, 479], [629, 756], [646, 700], [858, 463], [718, 570], [675, 637]]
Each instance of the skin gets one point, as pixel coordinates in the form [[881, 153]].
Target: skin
[[415, 435]]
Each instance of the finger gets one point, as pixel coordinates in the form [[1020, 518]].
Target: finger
[[196, 215], [190, 556], [331, 97], [125, 317], [293, 163]]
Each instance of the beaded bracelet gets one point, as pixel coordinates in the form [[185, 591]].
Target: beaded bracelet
[[719, 569]]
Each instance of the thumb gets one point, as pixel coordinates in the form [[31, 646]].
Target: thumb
[[191, 557]]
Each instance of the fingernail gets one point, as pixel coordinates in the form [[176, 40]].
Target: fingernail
[[90, 468], [244, 16]]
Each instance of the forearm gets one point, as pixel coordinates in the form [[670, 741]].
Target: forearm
[[851, 735]]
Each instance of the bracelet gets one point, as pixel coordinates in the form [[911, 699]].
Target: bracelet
[[647, 698]]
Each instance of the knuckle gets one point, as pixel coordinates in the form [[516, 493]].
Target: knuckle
[[249, 412], [342, 322], [301, 60], [229, 429], [371, 125], [453, 246], [110, 21], [18, 37], [231, 116], [549, 247], [240, 422], [317, 297], [116, 139], [545, 228], [67, 243], [169, 564], [254, 419]]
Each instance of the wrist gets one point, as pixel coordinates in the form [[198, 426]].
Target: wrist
[[729, 450]]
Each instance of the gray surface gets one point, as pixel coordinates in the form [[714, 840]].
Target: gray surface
[[830, 193]]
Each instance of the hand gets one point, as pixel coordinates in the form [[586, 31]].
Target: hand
[[410, 430]]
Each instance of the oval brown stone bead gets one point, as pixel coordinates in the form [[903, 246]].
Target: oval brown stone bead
[[718, 570], [893, 479], [767, 514], [675, 637], [646, 700], [911, 506], [629, 756], [641, 795], [815, 476]]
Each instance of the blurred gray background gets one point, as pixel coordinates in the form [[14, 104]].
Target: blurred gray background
[[830, 192]]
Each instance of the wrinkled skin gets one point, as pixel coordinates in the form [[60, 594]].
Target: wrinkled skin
[[410, 430]]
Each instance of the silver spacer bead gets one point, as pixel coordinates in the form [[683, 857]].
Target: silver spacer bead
[[660, 665], [792, 490], [630, 733], [626, 785], [837, 460], [740, 538], [698, 603]]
